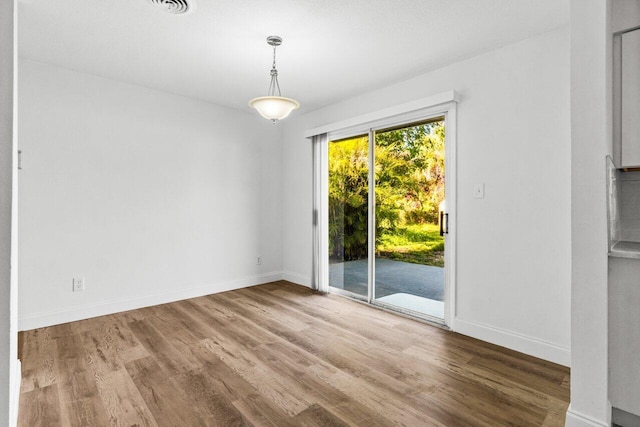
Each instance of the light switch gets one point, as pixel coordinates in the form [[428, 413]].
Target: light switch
[[478, 191]]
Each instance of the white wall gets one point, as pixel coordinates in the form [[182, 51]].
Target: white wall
[[591, 134], [9, 367], [150, 197], [625, 15], [514, 260]]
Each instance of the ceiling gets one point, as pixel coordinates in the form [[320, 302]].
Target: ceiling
[[332, 50]]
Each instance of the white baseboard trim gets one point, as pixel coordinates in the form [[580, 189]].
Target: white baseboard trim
[[43, 319], [514, 341], [15, 397], [296, 278], [576, 419]]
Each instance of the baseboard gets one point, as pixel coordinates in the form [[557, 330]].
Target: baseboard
[[576, 419], [15, 397], [514, 341], [43, 319], [296, 278]]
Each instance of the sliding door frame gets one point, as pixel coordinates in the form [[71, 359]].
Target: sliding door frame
[[448, 279], [398, 116]]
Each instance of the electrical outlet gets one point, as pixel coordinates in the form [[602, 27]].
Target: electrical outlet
[[259, 261], [78, 284]]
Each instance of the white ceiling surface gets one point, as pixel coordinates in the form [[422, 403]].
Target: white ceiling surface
[[332, 50]]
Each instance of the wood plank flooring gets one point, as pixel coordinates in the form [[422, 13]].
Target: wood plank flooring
[[278, 355]]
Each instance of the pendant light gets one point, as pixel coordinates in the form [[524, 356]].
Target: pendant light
[[274, 106]]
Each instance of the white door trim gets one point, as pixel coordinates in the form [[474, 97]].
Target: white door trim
[[385, 114], [451, 195]]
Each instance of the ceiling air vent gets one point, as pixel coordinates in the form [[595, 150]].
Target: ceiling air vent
[[177, 7]]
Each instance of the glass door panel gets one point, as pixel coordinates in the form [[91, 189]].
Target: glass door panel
[[409, 192], [348, 161]]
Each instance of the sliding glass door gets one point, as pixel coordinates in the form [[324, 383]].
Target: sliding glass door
[[409, 194], [386, 217]]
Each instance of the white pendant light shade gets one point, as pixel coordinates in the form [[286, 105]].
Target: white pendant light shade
[[274, 107]]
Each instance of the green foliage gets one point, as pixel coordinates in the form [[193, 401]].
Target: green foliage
[[410, 167], [409, 174], [417, 243], [348, 198]]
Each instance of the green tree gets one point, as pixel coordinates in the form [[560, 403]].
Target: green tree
[[410, 167], [409, 174], [348, 198]]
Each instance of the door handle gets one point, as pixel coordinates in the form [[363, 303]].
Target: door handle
[[444, 223]]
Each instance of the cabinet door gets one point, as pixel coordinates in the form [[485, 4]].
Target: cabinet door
[[630, 133], [624, 334]]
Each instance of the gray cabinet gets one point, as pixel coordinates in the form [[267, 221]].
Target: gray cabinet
[[630, 100], [624, 334]]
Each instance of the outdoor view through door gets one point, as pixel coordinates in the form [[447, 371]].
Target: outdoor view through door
[[408, 189]]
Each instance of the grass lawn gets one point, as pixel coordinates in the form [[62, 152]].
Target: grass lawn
[[417, 243]]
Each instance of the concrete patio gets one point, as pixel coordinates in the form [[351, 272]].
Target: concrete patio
[[399, 283]]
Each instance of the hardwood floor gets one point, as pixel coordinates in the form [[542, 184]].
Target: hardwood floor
[[278, 355]]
